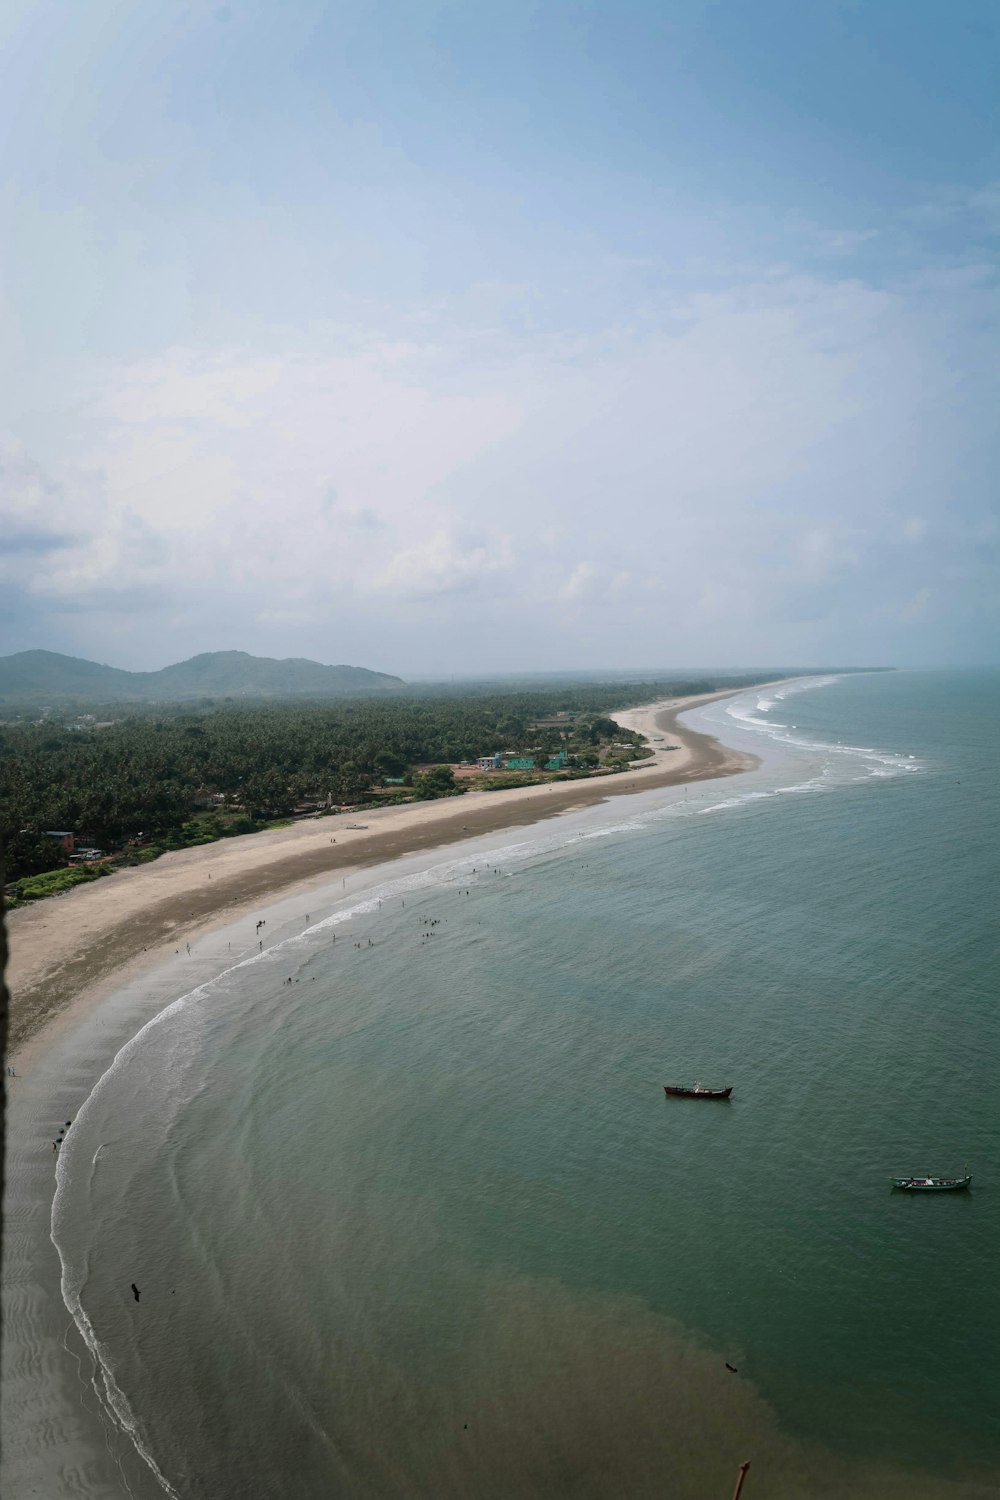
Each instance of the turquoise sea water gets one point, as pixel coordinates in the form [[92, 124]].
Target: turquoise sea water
[[422, 1222]]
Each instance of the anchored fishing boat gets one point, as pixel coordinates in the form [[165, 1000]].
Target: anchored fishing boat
[[697, 1092], [931, 1184]]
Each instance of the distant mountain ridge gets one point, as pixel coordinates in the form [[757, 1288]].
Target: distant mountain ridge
[[41, 677]]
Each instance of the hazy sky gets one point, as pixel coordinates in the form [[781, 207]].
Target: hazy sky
[[445, 337]]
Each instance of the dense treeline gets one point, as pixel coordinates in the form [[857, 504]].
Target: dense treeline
[[140, 775]]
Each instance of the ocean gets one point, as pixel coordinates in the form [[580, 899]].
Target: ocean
[[409, 1211]]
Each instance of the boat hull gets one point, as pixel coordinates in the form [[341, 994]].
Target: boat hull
[[931, 1184], [679, 1093]]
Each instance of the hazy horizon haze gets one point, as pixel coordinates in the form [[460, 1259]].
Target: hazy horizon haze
[[435, 339]]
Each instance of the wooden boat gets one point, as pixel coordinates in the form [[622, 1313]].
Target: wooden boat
[[931, 1184], [698, 1092]]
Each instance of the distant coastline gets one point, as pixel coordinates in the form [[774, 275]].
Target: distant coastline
[[67, 948]]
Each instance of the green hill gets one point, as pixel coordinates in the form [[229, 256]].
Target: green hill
[[46, 677]]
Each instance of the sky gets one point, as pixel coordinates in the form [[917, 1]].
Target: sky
[[449, 336]]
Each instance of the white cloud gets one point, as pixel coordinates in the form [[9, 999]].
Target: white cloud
[[915, 609], [823, 551], [746, 464], [443, 564], [579, 585], [36, 516]]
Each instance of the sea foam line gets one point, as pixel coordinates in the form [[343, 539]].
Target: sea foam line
[[876, 762], [814, 784], [113, 1400]]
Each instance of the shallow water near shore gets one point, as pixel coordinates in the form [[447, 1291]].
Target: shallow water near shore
[[422, 1222]]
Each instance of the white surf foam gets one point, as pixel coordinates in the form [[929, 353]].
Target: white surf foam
[[814, 784], [111, 1398], [751, 711]]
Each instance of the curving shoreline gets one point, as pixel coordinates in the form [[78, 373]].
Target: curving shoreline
[[66, 951], [50, 1403], [89, 969]]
